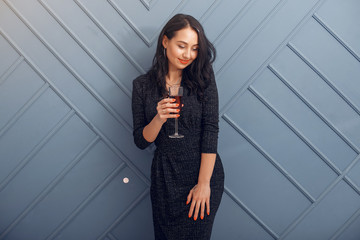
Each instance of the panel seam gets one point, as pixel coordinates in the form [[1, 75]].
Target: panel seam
[[49, 187], [11, 69], [272, 161], [72, 71]]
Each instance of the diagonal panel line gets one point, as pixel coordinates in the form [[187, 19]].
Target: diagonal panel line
[[314, 109], [36, 149], [304, 139], [254, 76], [346, 225], [352, 184], [323, 77], [107, 141], [110, 37], [24, 108], [71, 70], [250, 213], [267, 156], [326, 121], [320, 198], [307, 142], [234, 21], [146, 4], [131, 24], [210, 10], [50, 187], [124, 214], [336, 36], [111, 236], [113, 40], [87, 50], [145, 39], [82, 205], [11, 69], [253, 34]]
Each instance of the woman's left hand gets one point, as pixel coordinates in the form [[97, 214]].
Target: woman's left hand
[[200, 197]]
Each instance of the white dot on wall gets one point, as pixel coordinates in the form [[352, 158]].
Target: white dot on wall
[[125, 180]]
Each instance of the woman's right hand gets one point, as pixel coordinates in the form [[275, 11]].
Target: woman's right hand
[[166, 108]]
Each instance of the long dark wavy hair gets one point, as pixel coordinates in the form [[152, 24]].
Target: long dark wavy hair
[[197, 75]]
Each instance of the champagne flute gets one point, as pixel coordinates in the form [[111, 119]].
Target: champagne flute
[[176, 92]]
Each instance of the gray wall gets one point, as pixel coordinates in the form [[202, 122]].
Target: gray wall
[[288, 76]]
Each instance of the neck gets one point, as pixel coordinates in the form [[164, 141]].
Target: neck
[[173, 76]]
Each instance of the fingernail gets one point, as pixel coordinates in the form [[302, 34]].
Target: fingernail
[[202, 217], [187, 202], [195, 218], [173, 99], [208, 213], [189, 216], [178, 115], [177, 105]]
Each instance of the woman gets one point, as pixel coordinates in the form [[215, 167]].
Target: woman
[[187, 178]]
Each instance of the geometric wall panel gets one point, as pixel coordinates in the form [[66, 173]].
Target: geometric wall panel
[[287, 73]]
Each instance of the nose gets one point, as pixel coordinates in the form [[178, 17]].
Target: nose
[[186, 53]]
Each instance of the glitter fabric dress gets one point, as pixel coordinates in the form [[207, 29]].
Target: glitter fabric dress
[[176, 163]]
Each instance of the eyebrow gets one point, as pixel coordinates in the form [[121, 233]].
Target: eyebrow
[[187, 43]]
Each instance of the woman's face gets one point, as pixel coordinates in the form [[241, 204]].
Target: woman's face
[[182, 49]]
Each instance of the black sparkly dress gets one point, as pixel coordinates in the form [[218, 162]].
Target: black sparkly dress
[[176, 163]]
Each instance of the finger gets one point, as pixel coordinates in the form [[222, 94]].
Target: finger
[[202, 210], [170, 115], [168, 100], [170, 105], [188, 199], [197, 208], [192, 206], [208, 206]]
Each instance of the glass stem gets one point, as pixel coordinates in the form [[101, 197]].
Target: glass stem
[[176, 126]]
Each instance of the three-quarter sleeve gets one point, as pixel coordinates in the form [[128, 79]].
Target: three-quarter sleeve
[[139, 119], [210, 118]]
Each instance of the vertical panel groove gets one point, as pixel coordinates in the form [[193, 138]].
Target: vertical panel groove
[[337, 37], [320, 198], [71, 70], [314, 109], [50, 186], [83, 204], [11, 69], [295, 131], [87, 50], [250, 213], [324, 78], [273, 162], [124, 214]]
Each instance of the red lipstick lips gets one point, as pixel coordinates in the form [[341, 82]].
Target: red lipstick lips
[[184, 61]]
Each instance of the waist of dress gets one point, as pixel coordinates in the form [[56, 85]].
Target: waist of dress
[[189, 143]]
